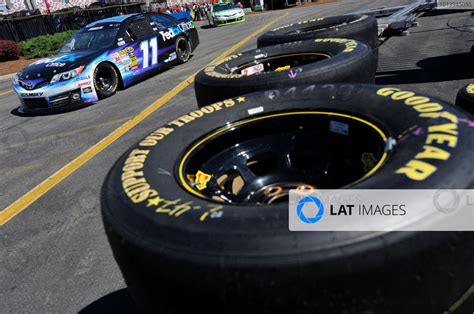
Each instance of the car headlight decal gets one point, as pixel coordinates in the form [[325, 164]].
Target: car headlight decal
[[64, 76], [16, 79]]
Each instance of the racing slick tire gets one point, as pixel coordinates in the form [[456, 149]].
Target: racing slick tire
[[179, 248], [330, 60], [106, 80], [465, 98], [183, 49], [362, 28]]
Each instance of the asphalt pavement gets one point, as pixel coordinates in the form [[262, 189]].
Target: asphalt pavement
[[54, 256]]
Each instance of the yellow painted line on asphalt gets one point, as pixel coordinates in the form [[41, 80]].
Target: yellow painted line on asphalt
[[8, 91], [29, 167], [27, 199], [466, 295]]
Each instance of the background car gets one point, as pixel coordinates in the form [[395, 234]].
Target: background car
[[226, 13], [102, 56]]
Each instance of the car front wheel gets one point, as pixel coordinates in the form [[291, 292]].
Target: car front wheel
[[105, 80]]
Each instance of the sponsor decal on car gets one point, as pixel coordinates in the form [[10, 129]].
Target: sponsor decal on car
[[83, 78], [167, 35], [55, 64], [87, 89], [31, 94], [186, 26], [86, 82], [171, 57], [134, 63], [96, 28], [116, 57]]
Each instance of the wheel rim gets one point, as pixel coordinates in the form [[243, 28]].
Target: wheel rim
[[257, 161], [182, 49], [104, 80], [283, 62]]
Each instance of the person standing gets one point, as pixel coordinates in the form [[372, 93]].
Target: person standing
[[203, 11], [197, 12], [207, 8]]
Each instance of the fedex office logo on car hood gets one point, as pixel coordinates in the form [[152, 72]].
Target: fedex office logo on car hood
[[61, 60]]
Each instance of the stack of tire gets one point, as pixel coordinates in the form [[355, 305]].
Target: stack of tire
[[180, 250]]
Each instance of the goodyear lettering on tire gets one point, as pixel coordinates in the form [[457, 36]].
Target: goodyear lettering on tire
[[350, 44], [470, 89], [299, 23], [361, 18], [440, 140]]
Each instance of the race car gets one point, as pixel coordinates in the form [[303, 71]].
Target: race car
[[102, 56], [226, 13]]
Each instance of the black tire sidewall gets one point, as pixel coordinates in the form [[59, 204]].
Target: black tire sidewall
[[365, 31], [355, 66]]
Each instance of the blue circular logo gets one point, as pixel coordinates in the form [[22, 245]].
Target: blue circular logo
[[310, 199]]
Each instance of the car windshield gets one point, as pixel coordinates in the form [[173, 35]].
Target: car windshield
[[91, 38], [224, 7]]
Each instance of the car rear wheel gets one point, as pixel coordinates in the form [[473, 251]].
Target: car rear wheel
[[183, 49], [106, 80]]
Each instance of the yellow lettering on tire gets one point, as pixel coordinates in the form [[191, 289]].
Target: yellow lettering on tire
[[387, 91], [417, 170], [450, 128], [402, 95], [450, 140], [431, 152]]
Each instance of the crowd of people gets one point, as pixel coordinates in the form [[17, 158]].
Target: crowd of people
[[199, 10]]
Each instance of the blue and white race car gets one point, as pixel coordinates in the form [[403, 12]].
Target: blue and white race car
[[102, 56]]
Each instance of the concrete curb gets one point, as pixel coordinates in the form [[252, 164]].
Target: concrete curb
[[7, 77]]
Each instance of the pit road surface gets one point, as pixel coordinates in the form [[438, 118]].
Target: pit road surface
[[54, 256]]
